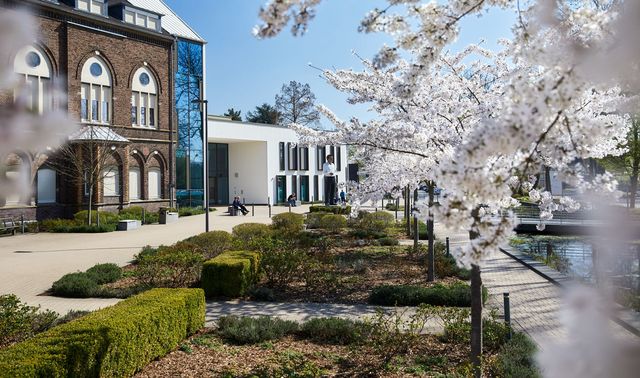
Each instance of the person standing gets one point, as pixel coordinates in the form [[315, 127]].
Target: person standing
[[329, 171], [343, 197]]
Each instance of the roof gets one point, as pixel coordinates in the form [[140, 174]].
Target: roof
[[171, 22], [97, 133], [129, 4]]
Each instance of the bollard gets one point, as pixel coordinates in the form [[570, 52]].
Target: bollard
[[253, 210], [447, 241], [507, 313], [289, 207], [22, 223]]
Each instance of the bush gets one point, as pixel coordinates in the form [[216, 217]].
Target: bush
[[146, 251], [247, 232], [289, 224], [516, 358], [113, 342], [332, 330], [75, 285], [377, 221], [135, 212], [247, 330], [263, 294], [313, 219], [367, 234], [331, 209], [333, 222], [230, 274], [189, 211], [73, 226], [391, 206], [175, 266], [105, 217], [388, 241], [212, 243], [453, 295], [18, 321], [281, 266], [104, 273]]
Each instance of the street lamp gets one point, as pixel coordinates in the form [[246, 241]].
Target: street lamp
[[203, 110]]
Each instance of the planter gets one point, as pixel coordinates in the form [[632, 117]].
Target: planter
[[129, 224], [168, 217]]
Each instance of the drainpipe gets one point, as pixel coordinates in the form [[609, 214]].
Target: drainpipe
[[173, 123]]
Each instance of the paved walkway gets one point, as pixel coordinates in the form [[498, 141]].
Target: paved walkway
[[30, 263], [535, 301]]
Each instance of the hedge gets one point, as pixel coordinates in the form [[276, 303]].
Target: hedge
[[452, 295], [330, 209], [230, 274], [117, 341]]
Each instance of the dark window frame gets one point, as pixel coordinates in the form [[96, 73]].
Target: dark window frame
[[281, 156]]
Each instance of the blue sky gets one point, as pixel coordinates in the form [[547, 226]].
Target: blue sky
[[243, 72]]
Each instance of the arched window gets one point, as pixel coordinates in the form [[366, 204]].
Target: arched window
[[155, 183], [134, 183], [35, 68], [95, 92], [144, 99]]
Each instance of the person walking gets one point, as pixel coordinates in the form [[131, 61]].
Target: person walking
[[329, 171]]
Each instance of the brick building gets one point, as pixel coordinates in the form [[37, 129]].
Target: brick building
[[121, 65]]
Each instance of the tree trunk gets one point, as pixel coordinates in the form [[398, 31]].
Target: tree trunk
[[431, 273], [476, 309], [633, 187], [416, 228], [90, 201], [476, 321], [407, 210]]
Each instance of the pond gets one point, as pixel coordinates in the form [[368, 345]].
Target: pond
[[573, 255]]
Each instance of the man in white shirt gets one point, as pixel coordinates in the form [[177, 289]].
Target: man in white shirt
[[329, 170]]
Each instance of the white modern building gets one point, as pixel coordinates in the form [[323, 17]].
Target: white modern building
[[263, 164]]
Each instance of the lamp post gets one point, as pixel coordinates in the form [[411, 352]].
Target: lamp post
[[203, 111]]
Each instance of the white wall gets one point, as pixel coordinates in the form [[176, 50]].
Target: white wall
[[254, 155], [248, 171]]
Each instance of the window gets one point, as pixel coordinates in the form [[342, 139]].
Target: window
[[34, 68], [92, 6], [46, 185], [294, 185], [281, 189], [134, 183], [144, 99], [316, 188], [111, 181], [155, 183], [304, 188], [304, 158], [321, 156], [95, 92], [293, 156], [142, 19], [339, 159], [281, 155]]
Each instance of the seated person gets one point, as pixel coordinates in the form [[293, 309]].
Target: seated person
[[239, 206], [291, 200]]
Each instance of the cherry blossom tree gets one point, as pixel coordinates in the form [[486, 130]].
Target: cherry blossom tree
[[487, 126]]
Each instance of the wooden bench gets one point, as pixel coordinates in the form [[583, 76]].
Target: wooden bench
[[8, 225]]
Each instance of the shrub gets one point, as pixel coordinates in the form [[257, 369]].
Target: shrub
[[330, 209], [105, 217], [281, 266], [73, 226], [454, 295], [19, 321], [367, 234], [247, 232], [113, 342], [75, 285], [230, 274], [288, 223], [263, 294], [388, 241], [377, 221], [391, 206], [333, 222], [189, 211], [313, 219], [212, 243], [332, 330], [104, 273], [136, 212], [247, 330], [516, 358], [175, 266], [146, 251]]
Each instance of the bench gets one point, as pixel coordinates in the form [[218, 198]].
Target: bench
[[129, 224], [8, 225], [232, 211]]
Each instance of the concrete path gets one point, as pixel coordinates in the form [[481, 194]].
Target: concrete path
[[535, 301], [30, 263], [301, 312]]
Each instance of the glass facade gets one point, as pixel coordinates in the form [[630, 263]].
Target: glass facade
[[218, 174], [189, 151]]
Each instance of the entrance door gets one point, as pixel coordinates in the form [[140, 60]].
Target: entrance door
[[304, 188], [281, 189], [218, 174]]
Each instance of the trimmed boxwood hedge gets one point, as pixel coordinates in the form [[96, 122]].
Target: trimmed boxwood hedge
[[452, 295], [330, 209], [230, 274], [114, 342]]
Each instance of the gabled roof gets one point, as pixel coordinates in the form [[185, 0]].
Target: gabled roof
[[171, 22], [98, 134]]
